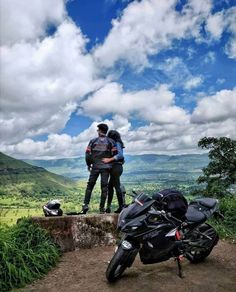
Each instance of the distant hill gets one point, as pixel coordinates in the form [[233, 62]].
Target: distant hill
[[148, 167], [48, 177], [19, 177]]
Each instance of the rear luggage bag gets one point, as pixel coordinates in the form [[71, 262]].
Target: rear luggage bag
[[171, 201]]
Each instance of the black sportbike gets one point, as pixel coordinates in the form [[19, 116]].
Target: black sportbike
[[153, 228]]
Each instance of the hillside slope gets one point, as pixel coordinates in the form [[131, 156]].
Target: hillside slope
[[19, 177]]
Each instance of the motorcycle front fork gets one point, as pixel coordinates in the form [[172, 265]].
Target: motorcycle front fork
[[179, 253]]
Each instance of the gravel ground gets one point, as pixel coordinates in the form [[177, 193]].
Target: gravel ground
[[84, 270]]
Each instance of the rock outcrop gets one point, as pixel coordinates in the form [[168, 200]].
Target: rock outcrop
[[80, 231]]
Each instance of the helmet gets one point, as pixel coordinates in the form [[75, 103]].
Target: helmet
[[52, 208]]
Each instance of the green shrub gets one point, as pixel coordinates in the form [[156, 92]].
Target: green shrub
[[26, 253], [227, 227]]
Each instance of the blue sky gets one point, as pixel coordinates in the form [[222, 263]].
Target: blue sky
[[161, 72]]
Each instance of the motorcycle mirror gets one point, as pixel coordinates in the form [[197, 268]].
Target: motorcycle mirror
[[134, 192]]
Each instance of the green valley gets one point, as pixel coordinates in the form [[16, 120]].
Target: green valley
[[20, 178], [26, 185]]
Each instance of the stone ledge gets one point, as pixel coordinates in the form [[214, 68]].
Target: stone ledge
[[80, 231]]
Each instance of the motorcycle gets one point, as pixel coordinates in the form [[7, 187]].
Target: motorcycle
[[157, 235]]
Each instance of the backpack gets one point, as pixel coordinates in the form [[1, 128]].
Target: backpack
[[171, 201]]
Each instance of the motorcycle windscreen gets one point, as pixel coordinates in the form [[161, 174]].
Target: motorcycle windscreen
[[137, 208]]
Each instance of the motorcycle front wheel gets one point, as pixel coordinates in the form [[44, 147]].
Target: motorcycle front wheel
[[117, 265], [201, 244]]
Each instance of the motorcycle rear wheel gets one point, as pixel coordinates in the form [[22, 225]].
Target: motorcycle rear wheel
[[198, 255], [117, 265]]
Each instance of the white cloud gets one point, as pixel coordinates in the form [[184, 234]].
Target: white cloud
[[213, 116], [178, 74], [231, 48], [219, 107], [45, 77], [156, 105], [28, 20], [231, 27], [43, 81], [146, 27], [153, 138], [193, 82], [224, 21], [58, 146], [215, 25], [210, 57]]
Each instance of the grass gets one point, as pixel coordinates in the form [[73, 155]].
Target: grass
[[10, 216], [26, 253]]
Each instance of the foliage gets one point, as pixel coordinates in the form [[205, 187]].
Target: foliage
[[227, 227], [26, 253], [220, 173]]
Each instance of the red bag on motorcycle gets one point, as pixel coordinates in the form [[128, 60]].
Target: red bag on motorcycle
[[171, 201]]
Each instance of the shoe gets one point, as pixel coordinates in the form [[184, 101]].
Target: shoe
[[108, 210], [85, 208], [118, 210], [102, 211]]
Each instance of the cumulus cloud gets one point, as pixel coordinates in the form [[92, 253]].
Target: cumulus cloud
[[62, 145], [43, 81], [156, 105], [27, 20], [44, 78], [215, 25], [224, 21], [215, 108], [155, 137], [152, 138], [147, 27]]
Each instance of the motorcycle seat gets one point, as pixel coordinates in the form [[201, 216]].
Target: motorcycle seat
[[194, 215], [206, 202]]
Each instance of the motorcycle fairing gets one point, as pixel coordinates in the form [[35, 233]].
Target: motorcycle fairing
[[156, 249]]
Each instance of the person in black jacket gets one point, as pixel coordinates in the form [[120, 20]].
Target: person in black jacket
[[98, 149], [116, 171]]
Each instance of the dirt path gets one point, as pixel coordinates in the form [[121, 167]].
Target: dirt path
[[84, 270]]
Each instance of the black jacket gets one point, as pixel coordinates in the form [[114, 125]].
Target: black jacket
[[99, 148]]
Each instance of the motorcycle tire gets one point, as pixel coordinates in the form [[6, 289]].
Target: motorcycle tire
[[202, 254], [117, 265]]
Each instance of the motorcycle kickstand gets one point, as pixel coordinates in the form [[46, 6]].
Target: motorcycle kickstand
[[180, 270]]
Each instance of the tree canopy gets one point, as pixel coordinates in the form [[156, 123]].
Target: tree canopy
[[220, 173]]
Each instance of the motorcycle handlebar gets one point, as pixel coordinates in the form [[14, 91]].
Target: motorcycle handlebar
[[156, 212]]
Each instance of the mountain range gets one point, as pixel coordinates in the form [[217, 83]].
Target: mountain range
[[148, 167], [60, 176]]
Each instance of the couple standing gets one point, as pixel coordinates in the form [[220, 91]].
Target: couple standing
[[104, 157]]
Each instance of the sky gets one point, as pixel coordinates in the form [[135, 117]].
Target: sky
[[161, 72]]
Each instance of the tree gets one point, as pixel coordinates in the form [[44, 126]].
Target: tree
[[220, 173]]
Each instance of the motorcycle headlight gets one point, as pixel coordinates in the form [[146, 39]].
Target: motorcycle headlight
[[126, 245]]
